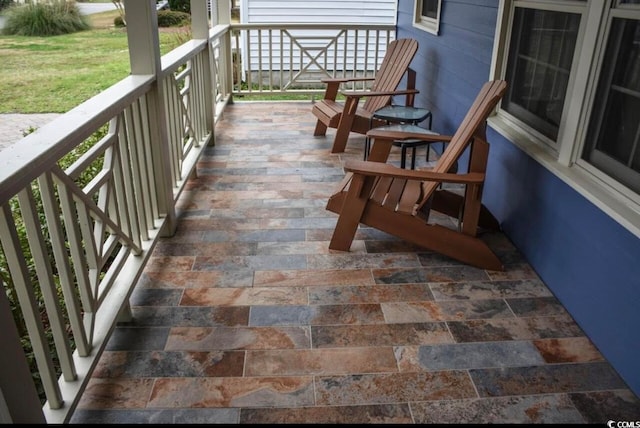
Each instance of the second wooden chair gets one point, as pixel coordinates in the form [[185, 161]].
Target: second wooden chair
[[348, 116]]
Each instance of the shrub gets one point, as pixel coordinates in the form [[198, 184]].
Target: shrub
[[178, 38], [5, 3], [45, 19], [166, 18], [180, 5], [171, 18], [118, 22]]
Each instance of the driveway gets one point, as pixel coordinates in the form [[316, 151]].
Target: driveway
[[90, 8]]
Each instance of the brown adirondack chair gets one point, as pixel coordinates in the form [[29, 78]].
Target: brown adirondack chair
[[346, 116], [398, 201]]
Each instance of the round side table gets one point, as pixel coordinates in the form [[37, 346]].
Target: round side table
[[403, 116], [412, 144]]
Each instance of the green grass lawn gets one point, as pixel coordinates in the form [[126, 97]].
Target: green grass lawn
[[55, 74]]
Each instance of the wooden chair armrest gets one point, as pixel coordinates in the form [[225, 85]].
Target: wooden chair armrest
[[333, 85], [379, 169], [361, 94], [403, 135], [339, 80]]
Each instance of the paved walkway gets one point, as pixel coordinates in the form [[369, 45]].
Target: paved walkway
[[14, 126]]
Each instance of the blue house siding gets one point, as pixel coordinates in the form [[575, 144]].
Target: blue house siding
[[589, 261], [458, 57]]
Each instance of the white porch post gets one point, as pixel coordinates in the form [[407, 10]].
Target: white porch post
[[220, 12], [19, 402], [144, 57], [224, 12], [200, 31], [199, 21], [224, 18]]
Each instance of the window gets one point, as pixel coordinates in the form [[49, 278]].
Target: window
[[573, 101], [538, 67], [613, 141], [427, 15]]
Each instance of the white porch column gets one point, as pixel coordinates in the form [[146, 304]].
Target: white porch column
[[199, 19], [200, 31], [224, 18], [224, 11], [220, 12], [144, 56]]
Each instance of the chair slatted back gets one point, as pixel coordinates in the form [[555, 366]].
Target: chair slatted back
[[472, 126], [395, 63]]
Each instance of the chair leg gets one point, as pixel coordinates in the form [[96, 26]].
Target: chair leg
[[344, 126], [343, 235], [403, 156], [350, 214], [341, 137], [321, 129], [441, 239], [367, 145]]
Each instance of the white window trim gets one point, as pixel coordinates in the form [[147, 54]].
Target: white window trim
[[427, 24], [563, 158]]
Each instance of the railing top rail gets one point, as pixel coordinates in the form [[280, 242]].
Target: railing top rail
[[218, 31], [25, 160], [174, 59], [298, 26]]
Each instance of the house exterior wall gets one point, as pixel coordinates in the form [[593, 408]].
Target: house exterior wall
[[372, 12], [589, 261], [330, 11]]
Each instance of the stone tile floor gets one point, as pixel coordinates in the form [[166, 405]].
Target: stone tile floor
[[246, 316]]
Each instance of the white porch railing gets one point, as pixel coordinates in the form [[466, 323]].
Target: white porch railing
[[293, 58], [84, 199]]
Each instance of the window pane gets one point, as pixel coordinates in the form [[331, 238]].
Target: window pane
[[430, 9], [613, 141], [540, 57]]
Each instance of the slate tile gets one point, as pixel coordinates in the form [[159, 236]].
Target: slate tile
[[546, 379], [380, 335], [392, 388], [294, 391], [599, 407], [227, 338], [533, 409], [369, 414]]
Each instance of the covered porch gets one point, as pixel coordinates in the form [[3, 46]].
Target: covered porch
[[245, 316], [190, 247]]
